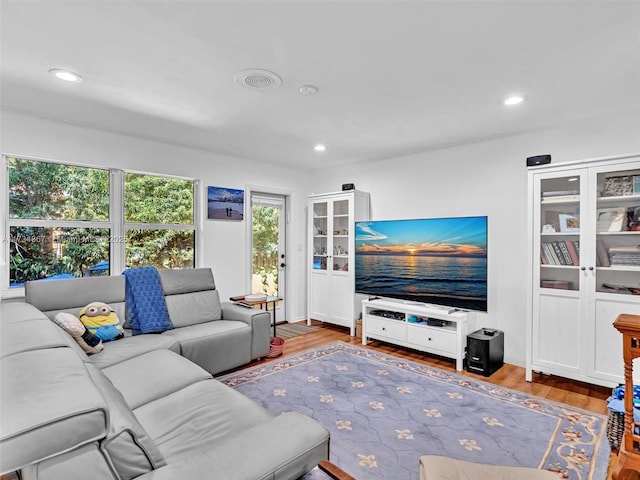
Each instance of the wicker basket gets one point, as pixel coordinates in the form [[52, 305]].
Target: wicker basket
[[276, 347], [615, 429]]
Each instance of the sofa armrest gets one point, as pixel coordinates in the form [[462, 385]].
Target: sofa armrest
[[258, 320], [286, 446]]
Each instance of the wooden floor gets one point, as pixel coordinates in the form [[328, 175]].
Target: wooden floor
[[578, 394]]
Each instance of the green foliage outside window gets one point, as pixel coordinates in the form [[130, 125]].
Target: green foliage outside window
[[265, 247], [50, 193]]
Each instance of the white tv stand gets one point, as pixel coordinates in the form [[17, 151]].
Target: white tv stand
[[400, 327]]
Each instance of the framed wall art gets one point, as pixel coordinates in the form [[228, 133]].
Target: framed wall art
[[225, 203]]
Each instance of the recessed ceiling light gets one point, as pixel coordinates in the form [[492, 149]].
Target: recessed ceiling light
[[66, 75], [514, 100], [319, 148]]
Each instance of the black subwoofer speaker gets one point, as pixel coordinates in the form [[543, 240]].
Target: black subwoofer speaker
[[485, 351]]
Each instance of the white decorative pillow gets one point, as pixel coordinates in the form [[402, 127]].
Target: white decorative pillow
[[74, 327]]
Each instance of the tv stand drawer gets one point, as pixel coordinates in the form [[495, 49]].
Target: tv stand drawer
[[432, 338], [379, 327]]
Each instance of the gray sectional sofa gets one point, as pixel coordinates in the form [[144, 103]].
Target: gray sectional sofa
[[147, 406], [216, 335]]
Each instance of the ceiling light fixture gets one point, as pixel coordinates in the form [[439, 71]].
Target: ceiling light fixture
[[514, 100], [66, 75], [319, 148], [308, 89]]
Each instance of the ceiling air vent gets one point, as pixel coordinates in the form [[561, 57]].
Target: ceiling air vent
[[258, 79]]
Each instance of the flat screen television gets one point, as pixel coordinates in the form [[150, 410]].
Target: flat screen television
[[439, 261]]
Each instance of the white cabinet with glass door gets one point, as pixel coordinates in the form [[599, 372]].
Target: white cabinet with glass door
[[331, 295], [585, 257]]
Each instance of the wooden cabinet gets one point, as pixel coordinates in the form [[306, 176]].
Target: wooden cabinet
[[584, 236], [331, 282], [441, 331]]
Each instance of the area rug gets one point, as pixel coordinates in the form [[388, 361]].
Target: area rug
[[384, 412], [290, 330]]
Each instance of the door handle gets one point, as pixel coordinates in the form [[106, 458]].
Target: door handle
[[282, 265]]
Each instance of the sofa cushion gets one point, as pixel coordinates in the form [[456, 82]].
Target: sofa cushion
[[81, 463], [186, 280], [130, 347], [153, 375], [27, 335], [215, 346], [191, 296], [49, 405], [70, 295], [200, 416], [17, 312], [193, 308], [129, 447], [287, 446], [434, 467]]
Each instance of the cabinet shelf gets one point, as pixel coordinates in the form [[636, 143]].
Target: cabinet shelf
[[620, 268], [560, 234], [563, 267], [560, 201], [621, 199], [625, 233]]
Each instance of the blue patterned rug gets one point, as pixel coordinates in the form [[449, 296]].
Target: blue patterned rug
[[384, 413]]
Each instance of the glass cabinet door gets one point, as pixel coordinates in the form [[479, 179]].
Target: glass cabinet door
[[320, 235], [617, 231], [559, 232], [340, 238]]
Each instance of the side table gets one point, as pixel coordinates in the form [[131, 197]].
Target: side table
[[240, 300]]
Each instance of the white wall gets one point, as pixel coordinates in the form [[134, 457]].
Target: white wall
[[223, 241], [487, 178]]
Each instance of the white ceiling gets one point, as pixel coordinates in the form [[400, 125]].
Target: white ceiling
[[394, 77]]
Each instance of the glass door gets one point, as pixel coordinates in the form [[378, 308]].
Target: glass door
[[617, 221], [559, 232], [268, 260], [320, 235]]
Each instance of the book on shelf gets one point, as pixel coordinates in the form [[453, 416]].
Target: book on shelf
[[564, 252], [602, 256], [559, 284], [625, 255], [573, 253], [622, 288], [558, 252]]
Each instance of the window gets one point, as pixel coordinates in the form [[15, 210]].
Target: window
[[159, 221], [74, 221]]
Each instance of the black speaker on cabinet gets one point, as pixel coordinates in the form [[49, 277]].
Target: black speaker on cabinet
[[485, 351], [538, 160]]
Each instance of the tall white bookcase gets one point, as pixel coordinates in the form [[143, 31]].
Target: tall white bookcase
[[585, 263], [331, 256]]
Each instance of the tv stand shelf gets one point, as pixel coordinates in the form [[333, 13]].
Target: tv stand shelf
[[441, 331]]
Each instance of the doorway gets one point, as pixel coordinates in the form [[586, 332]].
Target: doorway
[[268, 247]]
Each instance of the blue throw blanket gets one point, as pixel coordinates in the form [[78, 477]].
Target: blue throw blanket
[[145, 301]]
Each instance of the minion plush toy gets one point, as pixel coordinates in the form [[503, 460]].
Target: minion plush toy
[[102, 321]]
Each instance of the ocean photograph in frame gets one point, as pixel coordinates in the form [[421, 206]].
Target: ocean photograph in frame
[[225, 203]]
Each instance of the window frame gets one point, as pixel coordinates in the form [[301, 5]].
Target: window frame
[[115, 224]]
